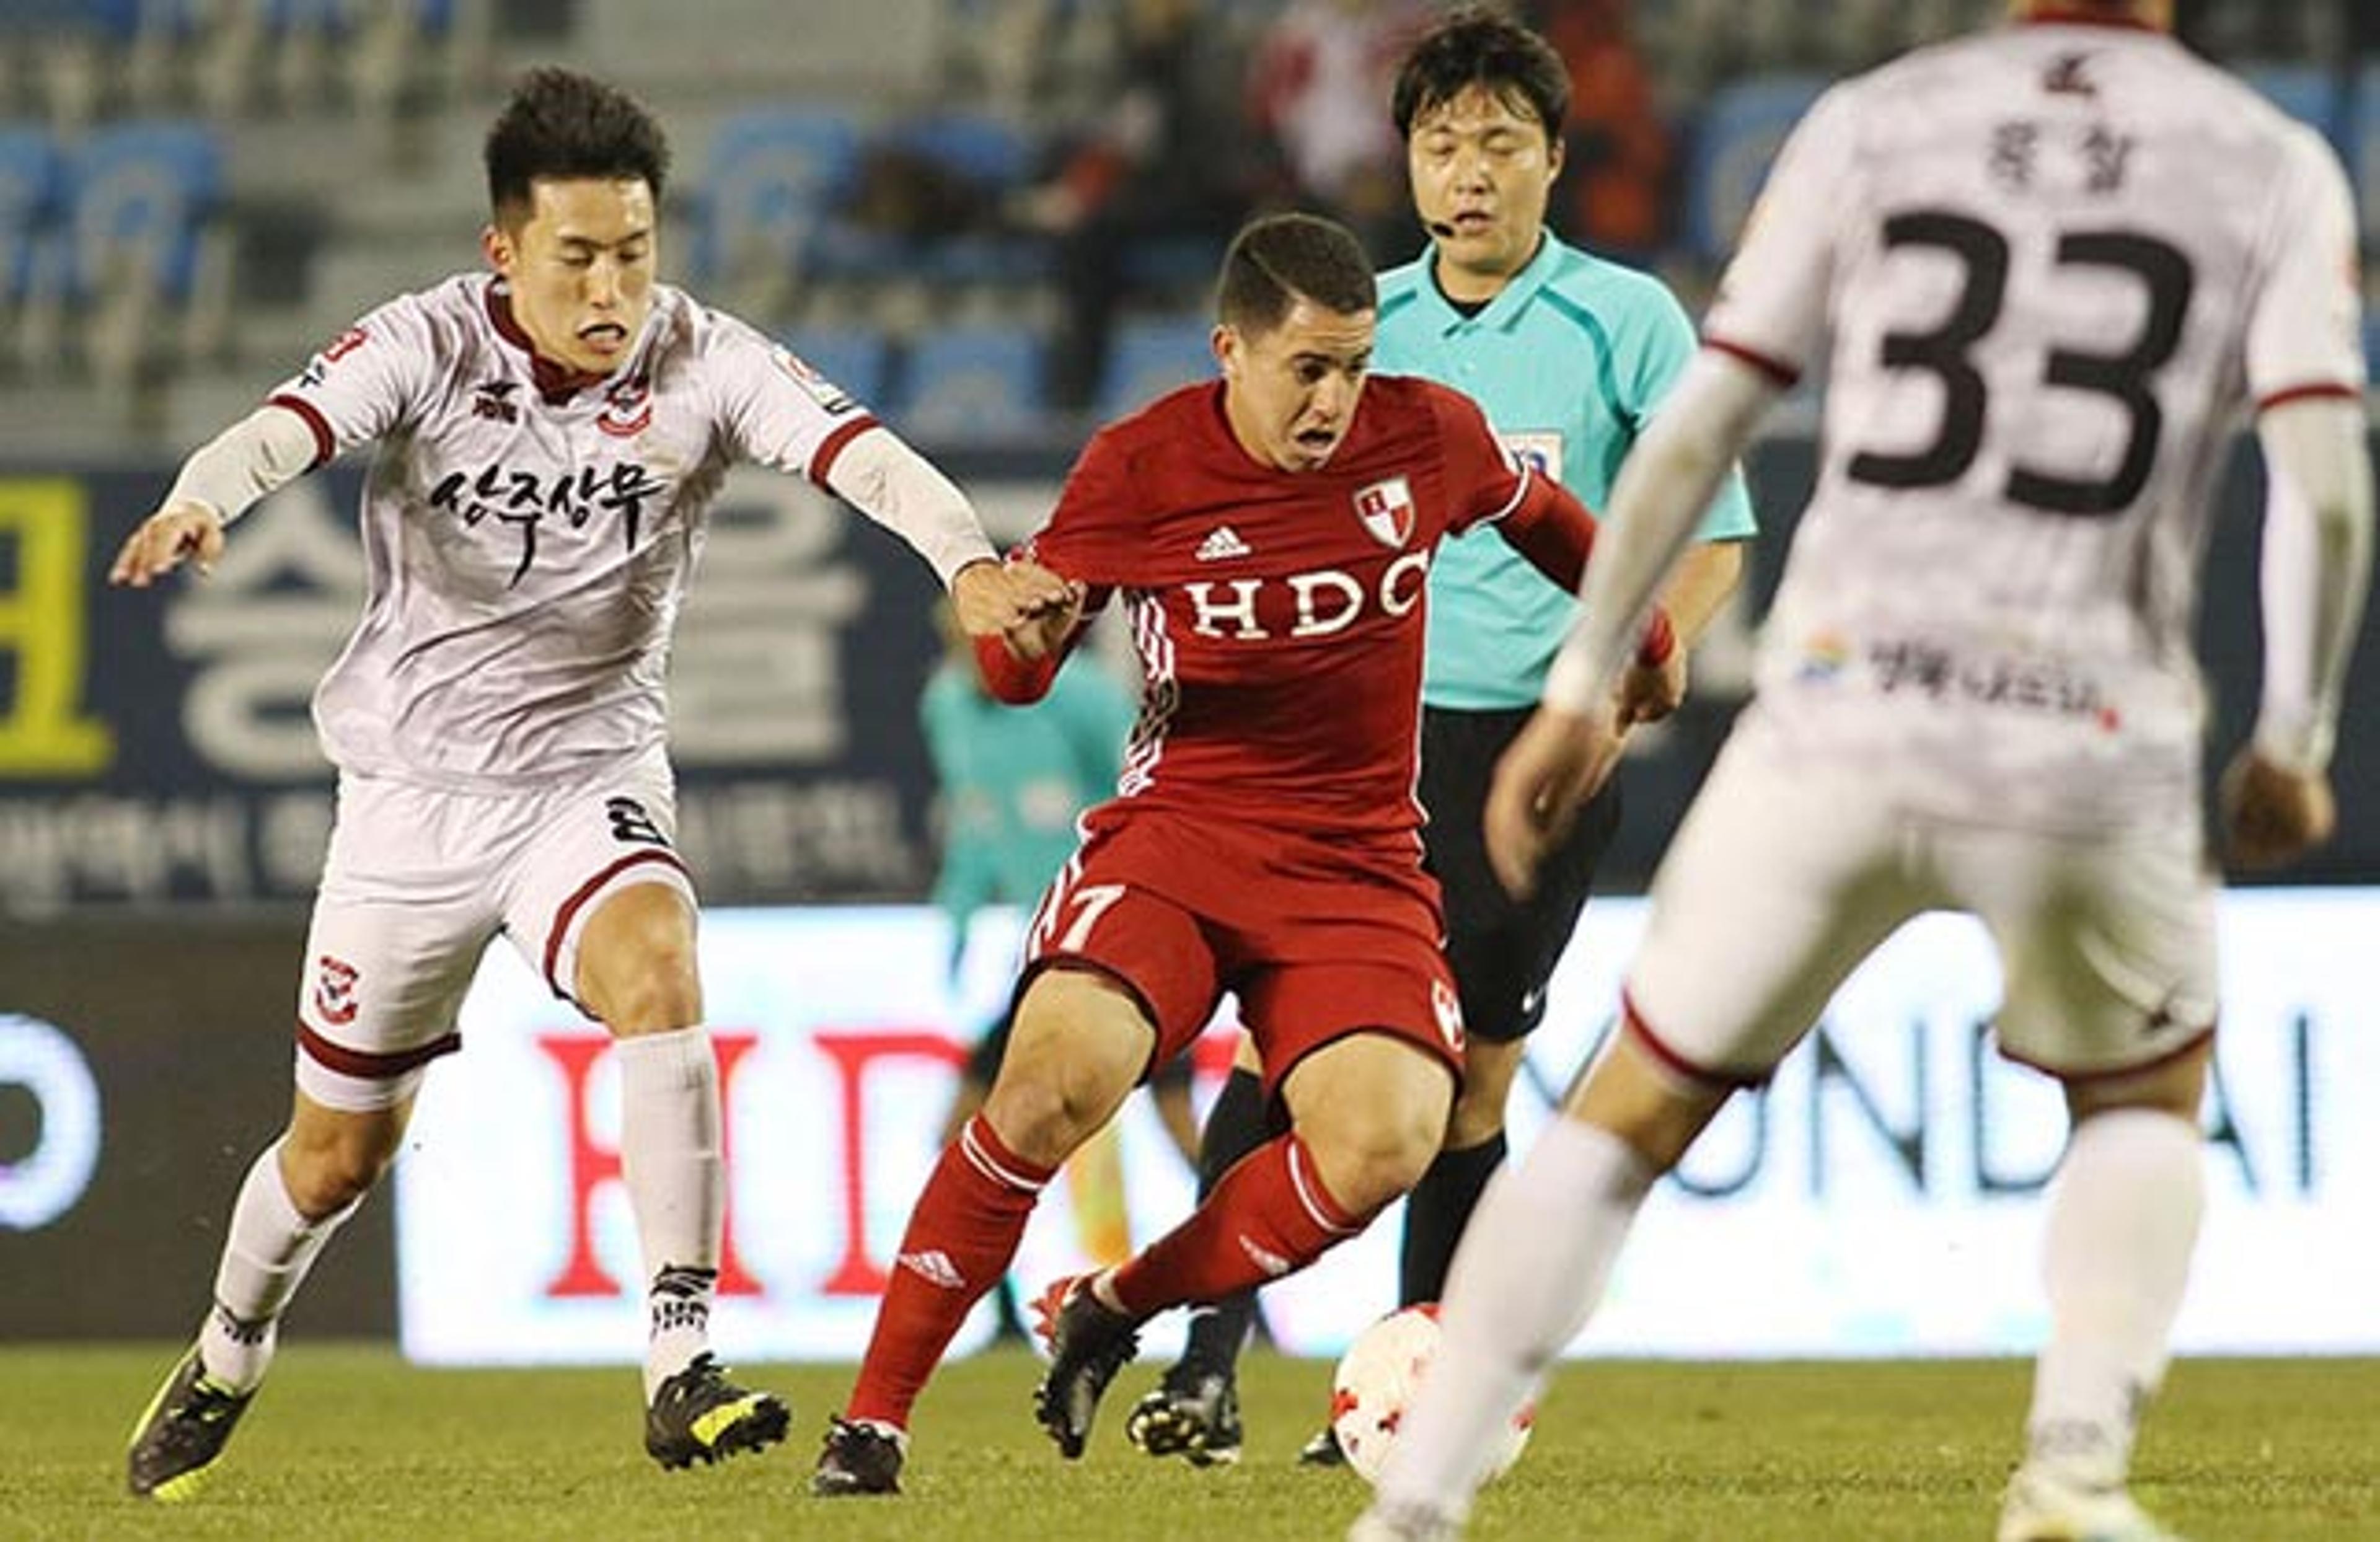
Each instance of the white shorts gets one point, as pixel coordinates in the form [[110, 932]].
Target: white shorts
[[418, 880], [1780, 882]]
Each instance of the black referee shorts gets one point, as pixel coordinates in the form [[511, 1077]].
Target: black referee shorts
[[1502, 952]]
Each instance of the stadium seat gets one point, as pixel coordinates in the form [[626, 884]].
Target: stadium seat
[[927, 204], [28, 203], [773, 175], [138, 193], [1151, 354], [2363, 154], [1737, 138], [972, 383], [2309, 93], [859, 358]]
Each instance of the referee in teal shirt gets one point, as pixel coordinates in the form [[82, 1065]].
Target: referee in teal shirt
[[1570, 356]]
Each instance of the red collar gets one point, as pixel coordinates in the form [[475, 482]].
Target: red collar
[[556, 382], [2064, 16]]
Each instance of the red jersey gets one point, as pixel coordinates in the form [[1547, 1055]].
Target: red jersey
[[1277, 615]]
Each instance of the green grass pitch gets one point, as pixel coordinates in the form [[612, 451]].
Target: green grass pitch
[[348, 1443]]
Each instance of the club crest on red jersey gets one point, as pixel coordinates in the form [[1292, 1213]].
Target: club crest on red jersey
[[1385, 508]]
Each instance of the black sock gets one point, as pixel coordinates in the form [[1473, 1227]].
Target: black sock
[[1435, 1213], [1235, 1126]]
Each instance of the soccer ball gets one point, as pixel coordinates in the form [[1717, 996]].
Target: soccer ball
[[1373, 1385]]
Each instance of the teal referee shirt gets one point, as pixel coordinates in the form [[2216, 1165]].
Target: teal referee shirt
[[1569, 362]]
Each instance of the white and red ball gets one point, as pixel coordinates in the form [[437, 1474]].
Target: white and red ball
[[1373, 1385]]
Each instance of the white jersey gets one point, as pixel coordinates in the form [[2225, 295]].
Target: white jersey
[[527, 545], [2053, 261]]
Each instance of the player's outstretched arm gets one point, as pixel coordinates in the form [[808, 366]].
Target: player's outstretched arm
[[270, 446], [1664, 486], [2277, 803]]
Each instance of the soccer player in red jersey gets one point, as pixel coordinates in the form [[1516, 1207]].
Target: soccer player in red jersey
[[1270, 536]]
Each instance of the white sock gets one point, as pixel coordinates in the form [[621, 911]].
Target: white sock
[[677, 1186], [265, 1256], [1532, 1265], [2123, 1220]]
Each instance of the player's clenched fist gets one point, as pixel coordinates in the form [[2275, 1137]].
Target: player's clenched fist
[[991, 598], [1555, 765], [1650, 692], [2274, 814], [176, 534]]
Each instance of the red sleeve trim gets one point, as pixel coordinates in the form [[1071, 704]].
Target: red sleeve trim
[[326, 444], [822, 461], [2313, 391], [1784, 374]]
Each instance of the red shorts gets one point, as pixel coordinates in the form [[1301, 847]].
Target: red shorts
[[1317, 939]]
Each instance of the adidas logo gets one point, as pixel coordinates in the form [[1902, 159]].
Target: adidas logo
[[935, 1267], [1223, 543]]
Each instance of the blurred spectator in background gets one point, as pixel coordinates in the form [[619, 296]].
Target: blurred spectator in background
[[1011, 780], [1617, 150], [1165, 165], [1318, 90]]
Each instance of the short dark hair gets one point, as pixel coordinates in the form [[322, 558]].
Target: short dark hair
[[1476, 47], [1278, 259], [561, 124]]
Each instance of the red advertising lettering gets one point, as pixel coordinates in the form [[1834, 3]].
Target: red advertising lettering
[[575, 1055]]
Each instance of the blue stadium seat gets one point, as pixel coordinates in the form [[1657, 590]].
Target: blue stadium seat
[[773, 174], [330, 16], [2363, 154], [28, 203], [1737, 138], [2309, 93], [974, 160], [972, 383], [988, 150], [1151, 354], [139, 192], [859, 358]]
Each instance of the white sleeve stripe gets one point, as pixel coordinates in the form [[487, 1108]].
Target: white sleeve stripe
[[1520, 491], [1307, 1188], [981, 1161]]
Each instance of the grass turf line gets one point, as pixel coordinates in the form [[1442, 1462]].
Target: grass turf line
[[350, 1442]]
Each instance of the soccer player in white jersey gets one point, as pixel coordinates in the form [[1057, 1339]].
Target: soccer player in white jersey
[[2054, 262], [549, 435]]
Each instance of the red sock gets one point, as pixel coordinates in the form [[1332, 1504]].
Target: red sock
[[1269, 1217], [962, 1235]]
